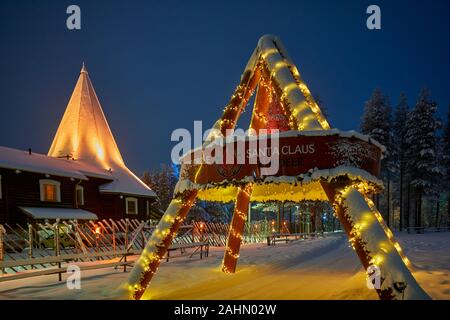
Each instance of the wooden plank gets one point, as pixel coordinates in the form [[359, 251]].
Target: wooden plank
[[45, 272], [190, 254], [187, 245], [120, 225], [65, 258], [136, 234], [97, 238], [116, 230]]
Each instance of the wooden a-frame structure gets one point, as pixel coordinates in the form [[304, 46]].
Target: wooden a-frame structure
[[331, 165]]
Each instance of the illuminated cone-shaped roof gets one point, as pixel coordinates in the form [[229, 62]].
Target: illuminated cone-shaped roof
[[84, 135]]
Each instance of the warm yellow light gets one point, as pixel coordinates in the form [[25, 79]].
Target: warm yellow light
[[377, 259], [289, 88], [84, 132], [269, 52], [279, 65]]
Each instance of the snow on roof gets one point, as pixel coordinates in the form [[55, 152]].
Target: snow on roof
[[58, 213], [122, 179], [22, 160], [126, 182], [84, 134]]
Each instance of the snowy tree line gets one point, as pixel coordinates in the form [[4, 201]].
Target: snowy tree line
[[416, 166]]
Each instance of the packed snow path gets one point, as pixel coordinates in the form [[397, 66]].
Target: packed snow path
[[312, 269]]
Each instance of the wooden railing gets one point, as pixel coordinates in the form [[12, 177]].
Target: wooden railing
[[48, 248], [44, 248]]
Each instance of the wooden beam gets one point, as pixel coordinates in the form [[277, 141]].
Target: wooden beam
[[237, 228], [373, 242], [46, 272], [156, 248]]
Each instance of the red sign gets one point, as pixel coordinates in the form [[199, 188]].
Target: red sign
[[292, 156]]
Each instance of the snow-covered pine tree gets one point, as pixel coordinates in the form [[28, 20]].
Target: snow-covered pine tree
[[162, 181], [399, 129], [421, 153], [389, 162], [377, 122], [218, 212], [374, 120], [438, 186], [446, 161]]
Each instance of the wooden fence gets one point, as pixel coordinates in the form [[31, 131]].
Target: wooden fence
[[44, 248], [44, 245]]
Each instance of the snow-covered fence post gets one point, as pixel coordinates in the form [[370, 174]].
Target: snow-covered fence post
[[114, 239], [160, 240], [127, 230], [374, 243], [2, 247], [143, 235], [30, 241], [79, 241], [56, 244]]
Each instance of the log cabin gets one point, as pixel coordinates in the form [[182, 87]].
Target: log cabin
[[83, 176]]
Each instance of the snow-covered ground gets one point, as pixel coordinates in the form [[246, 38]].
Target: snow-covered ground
[[312, 269]]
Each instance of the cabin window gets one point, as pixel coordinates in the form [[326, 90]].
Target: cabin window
[[1, 195], [147, 208], [131, 205], [79, 194], [50, 190]]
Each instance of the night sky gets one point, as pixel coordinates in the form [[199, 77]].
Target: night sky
[[160, 65]]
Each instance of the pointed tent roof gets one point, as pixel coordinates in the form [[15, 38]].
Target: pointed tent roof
[[84, 135]]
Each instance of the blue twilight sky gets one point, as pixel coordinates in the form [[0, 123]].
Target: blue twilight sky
[[160, 65]]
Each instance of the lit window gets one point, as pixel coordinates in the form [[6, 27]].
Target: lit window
[[79, 193], [50, 190], [131, 206]]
